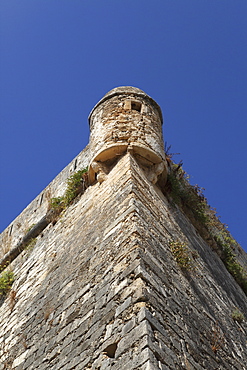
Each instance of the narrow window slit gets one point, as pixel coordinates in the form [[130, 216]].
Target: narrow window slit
[[10, 230], [41, 199]]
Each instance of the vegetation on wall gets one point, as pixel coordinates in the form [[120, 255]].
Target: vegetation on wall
[[226, 242], [6, 280], [76, 184], [187, 196], [182, 255], [237, 316], [29, 247], [194, 204]]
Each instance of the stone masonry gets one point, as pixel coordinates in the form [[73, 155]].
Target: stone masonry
[[101, 288]]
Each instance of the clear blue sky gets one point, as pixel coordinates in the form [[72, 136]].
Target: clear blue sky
[[59, 57]]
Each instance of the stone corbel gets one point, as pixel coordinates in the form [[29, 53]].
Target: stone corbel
[[101, 171], [155, 171]]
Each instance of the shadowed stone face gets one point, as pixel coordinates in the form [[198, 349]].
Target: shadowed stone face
[[126, 119]]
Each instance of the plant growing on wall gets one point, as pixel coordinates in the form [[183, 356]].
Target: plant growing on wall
[[6, 280], [185, 195], [194, 204], [57, 205], [182, 255], [29, 247], [227, 243], [237, 315], [217, 339], [76, 184]]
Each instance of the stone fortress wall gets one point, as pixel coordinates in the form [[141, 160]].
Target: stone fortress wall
[[38, 207], [101, 288]]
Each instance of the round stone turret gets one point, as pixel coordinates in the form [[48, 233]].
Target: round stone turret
[[126, 119]]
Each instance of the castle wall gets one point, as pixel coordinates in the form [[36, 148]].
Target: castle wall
[[120, 279], [102, 290], [38, 207]]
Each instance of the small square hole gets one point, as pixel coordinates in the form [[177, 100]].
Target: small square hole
[[135, 105]]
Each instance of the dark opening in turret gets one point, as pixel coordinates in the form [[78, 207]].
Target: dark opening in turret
[[135, 105]]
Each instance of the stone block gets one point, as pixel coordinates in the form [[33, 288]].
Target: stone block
[[133, 336], [123, 306]]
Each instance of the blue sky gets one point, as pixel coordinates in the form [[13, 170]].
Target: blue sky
[[59, 57]]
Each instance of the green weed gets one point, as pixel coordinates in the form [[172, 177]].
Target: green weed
[[237, 315], [6, 280], [29, 247], [187, 196], [76, 184], [227, 243], [182, 255], [194, 204], [57, 204]]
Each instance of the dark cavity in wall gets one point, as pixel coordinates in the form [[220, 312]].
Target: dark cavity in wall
[[41, 199], [111, 350], [10, 230], [135, 105]]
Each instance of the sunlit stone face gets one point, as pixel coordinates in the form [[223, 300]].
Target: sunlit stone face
[[126, 118]]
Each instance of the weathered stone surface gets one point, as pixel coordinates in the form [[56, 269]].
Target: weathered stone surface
[[126, 119], [102, 290]]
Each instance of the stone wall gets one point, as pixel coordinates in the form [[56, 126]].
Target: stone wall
[[102, 290], [37, 209], [131, 118], [126, 119]]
